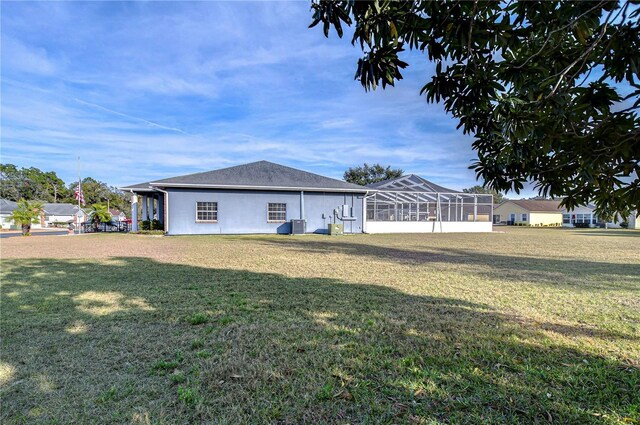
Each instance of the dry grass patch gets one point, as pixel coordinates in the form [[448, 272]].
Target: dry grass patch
[[531, 325]]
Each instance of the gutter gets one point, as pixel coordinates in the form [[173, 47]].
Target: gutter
[[166, 216], [248, 187]]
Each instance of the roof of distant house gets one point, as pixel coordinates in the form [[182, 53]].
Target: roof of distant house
[[256, 175], [59, 209], [7, 206], [537, 205], [114, 211]]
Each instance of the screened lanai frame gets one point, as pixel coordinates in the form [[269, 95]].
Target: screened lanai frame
[[403, 205]]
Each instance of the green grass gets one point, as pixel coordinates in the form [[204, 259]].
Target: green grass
[[530, 325]]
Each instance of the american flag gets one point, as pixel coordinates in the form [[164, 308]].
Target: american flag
[[78, 194]]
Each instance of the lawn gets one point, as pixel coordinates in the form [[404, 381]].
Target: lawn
[[519, 326]]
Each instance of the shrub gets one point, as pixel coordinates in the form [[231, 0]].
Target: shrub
[[156, 225], [624, 225], [581, 225], [145, 225]]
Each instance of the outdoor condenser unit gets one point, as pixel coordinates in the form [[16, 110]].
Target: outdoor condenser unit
[[298, 227]]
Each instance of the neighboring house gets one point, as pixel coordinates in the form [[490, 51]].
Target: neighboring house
[[117, 215], [58, 213], [580, 215], [263, 197], [531, 212], [6, 208], [536, 212]]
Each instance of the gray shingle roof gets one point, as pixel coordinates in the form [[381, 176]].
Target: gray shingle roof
[[410, 183], [137, 187], [7, 206], [260, 175], [60, 209]]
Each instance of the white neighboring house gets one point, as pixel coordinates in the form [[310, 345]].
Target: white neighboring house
[[6, 208], [581, 214], [586, 214], [61, 213], [634, 220]]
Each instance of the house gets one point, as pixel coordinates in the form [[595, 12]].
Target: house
[[117, 215], [60, 214], [541, 212], [263, 197], [532, 212], [6, 208]]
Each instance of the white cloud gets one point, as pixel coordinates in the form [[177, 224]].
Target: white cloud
[[19, 57]]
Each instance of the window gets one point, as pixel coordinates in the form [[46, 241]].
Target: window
[[583, 218], [566, 218], [523, 217], [277, 213], [207, 212]]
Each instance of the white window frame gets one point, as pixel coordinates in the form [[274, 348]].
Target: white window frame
[[269, 212], [198, 210], [524, 217]]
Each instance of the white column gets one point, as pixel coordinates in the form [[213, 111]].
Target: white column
[[134, 212]]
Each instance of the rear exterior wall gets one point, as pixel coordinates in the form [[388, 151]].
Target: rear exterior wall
[[245, 211]]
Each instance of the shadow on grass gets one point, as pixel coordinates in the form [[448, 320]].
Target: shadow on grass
[[549, 271], [113, 341], [610, 233]]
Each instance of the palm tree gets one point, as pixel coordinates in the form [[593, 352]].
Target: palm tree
[[25, 214], [99, 214]]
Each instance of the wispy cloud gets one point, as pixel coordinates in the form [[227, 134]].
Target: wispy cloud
[[130, 117]]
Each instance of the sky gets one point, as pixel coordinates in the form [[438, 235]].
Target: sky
[[143, 91]]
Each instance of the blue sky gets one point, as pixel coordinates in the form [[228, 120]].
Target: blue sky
[[142, 91]]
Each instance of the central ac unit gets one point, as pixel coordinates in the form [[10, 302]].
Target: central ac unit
[[298, 227]]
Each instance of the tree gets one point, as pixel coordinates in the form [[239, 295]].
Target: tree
[[25, 214], [549, 89], [497, 196], [30, 183], [99, 214], [368, 174]]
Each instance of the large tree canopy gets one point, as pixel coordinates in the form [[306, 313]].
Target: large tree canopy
[[549, 89], [367, 174], [30, 183], [34, 184]]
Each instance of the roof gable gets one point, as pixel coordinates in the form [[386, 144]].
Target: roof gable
[[410, 183], [259, 175]]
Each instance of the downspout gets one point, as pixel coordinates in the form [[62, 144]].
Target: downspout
[[166, 206], [302, 205]]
